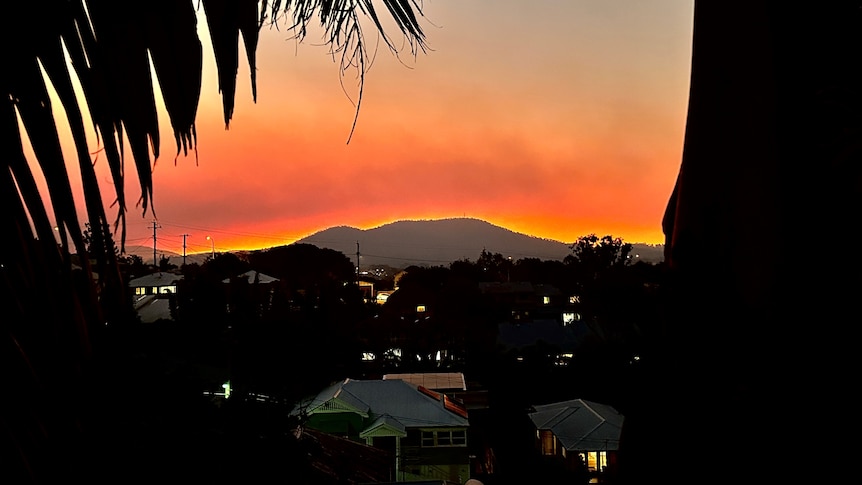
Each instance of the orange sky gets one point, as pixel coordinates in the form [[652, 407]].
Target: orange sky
[[554, 119]]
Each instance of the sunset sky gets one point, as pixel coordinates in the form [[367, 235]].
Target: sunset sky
[[552, 118]]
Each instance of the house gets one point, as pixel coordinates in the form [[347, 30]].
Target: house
[[527, 301], [579, 431], [158, 283], [426, 431], [152, 295]]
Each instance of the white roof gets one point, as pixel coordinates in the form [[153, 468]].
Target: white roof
[[156, 279]]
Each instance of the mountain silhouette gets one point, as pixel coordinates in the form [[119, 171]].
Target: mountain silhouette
[[442, 241]]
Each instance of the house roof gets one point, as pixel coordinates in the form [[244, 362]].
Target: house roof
[[254, 277], [160, 278], [580, 425], [401, 403], [438, 381], [389, 425]]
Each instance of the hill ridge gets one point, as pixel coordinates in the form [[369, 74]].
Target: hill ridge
[[442, 241], [425, 242]]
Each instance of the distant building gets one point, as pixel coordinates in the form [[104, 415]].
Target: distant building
[[367, 289], [161, 282], [152, 294]]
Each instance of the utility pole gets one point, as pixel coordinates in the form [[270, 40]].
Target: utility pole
[[155, 260], [184, 248]]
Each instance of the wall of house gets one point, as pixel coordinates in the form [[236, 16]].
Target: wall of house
[[340, 424], [439, 462]]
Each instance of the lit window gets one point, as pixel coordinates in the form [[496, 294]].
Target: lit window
[[547, 442], [546, 300], [597, 460], [574, 299], [571, 317], [420, 308]]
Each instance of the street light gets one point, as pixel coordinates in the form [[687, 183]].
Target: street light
[[212, 244]]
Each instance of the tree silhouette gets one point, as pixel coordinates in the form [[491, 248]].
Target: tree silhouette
[[771, 153], [110, 50]]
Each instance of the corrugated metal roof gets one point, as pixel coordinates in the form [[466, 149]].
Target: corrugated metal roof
[[436, 381], [393, 399], [580, 425], [330, 398]]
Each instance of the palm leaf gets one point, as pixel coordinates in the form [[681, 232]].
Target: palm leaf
[[53, 309]]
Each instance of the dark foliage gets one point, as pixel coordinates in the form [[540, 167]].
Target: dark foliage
[[59, 321]]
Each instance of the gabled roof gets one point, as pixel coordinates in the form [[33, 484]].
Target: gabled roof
[[396, 403], [161, 278], [332, 399], [384, 426], [580, 425]]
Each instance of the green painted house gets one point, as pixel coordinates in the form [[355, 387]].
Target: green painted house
[[425, 431]]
